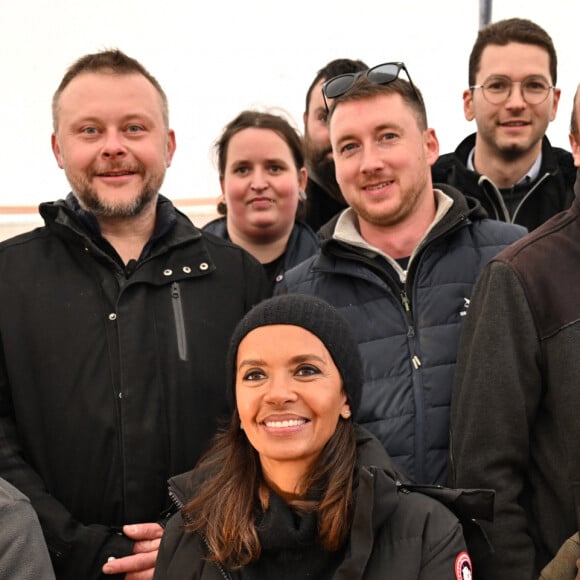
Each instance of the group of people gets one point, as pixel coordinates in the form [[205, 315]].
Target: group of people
[[288, 390]]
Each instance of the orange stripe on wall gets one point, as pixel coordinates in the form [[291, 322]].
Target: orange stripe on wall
[[27, 209]]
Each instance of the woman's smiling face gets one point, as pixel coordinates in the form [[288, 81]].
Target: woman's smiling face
[[289, 396]]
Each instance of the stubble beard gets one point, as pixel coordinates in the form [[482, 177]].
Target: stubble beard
[[408, 203], [512, 152]]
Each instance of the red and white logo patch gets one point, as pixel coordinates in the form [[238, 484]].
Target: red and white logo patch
[[463, 568]]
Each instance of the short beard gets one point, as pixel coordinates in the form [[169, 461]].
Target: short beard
[[512, 153], [90, 201]]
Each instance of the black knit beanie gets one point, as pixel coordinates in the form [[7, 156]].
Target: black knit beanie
[[316, 316]]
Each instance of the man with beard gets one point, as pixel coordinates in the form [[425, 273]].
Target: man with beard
[[516, 400], [509, 164], [323, 197], [399, 263], [115, 320]]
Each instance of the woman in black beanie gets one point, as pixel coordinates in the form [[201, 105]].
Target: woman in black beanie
[[293, 488]]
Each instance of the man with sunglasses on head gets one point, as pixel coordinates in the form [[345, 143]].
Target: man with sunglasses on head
[[509, 164], [399, 263], [323, 197]]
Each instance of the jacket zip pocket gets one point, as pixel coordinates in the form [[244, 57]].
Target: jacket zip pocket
[[179, 322]]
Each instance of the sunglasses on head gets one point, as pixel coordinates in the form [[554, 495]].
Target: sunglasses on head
[[382, 74]]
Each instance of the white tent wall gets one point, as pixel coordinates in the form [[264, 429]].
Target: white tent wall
[[216, 58]]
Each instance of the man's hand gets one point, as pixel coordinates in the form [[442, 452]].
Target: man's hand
[[141, 565]]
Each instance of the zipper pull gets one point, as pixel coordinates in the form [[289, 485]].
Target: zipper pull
[[406, 302], [174, 290]]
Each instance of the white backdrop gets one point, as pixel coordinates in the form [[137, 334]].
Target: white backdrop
[[217, 57]]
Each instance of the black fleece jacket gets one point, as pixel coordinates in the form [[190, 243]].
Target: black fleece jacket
[[550, 193]]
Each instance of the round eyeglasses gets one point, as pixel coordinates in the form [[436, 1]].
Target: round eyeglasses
[[497, 90]]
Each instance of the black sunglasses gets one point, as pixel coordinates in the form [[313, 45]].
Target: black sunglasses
[[382, 74]]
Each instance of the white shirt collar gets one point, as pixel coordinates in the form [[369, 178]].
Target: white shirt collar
[[531, 174]]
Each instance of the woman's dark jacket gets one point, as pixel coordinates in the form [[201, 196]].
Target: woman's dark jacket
[[550, 193], [302, 244], [111, 378], [408, 332], [395, 533]]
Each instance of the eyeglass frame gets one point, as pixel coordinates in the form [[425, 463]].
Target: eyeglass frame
[[512, 83], [355, 76]]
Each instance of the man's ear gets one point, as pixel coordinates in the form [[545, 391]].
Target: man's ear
[[56, 150], [468, 104], [431, 144], [575, 149], [171, 146]]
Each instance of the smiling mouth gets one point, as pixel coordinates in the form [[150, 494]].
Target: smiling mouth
[[285, 423], [514, 124], [115, 173], [377, 186]]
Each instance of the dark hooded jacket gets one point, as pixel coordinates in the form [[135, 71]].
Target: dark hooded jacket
[[408, 331], [550, 193], [111, 378], [395, 533]]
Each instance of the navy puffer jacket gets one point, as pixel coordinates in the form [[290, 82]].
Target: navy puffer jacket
[[408, 332]]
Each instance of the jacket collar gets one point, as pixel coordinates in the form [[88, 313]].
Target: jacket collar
[[347, 228], [68, 220], [462, 207], [549, 161], [376, 499]]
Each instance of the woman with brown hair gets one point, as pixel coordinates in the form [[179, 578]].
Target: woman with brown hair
[[260, 160], [293, 488]]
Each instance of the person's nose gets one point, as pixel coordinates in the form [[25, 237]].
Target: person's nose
[[113, 145], [259, 181], [371, 159], [280, 389], [515, 98]]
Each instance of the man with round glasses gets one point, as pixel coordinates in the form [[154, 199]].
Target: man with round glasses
[[399, 263], [516, 402], [509, 163]]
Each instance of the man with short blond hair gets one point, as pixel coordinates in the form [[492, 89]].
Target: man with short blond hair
[[399, 263], [115, 320]]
